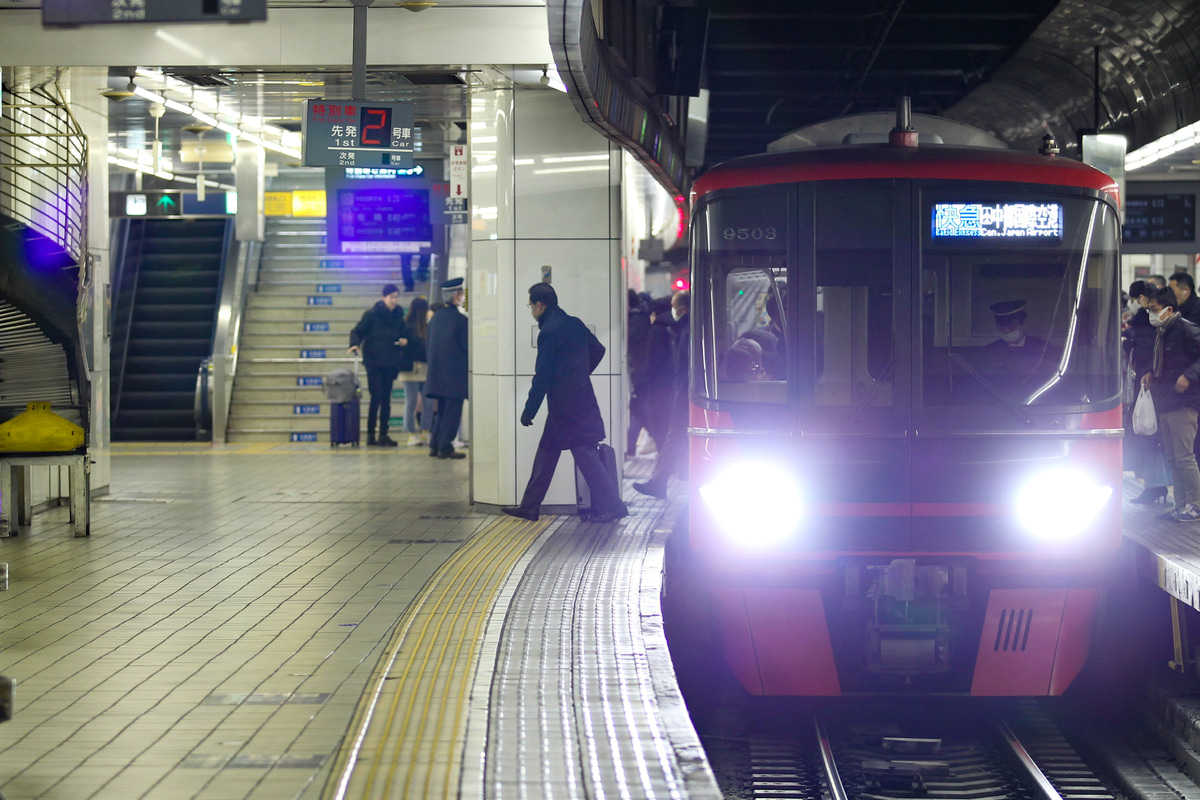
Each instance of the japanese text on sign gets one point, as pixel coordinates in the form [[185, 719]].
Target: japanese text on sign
[[351, 134], [1009, 220]]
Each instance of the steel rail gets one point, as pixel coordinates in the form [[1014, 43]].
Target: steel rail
[[836, 790], [1032, 770]]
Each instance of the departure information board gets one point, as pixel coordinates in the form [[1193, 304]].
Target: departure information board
[[91, 12], [383, 220], [1159, 218], [346, 133], [998, 220]]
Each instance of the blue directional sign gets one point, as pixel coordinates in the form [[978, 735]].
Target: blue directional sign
[[310, 380], [312, 353], [301, 408], [316, 327], [329, 288], [332, 263], [304, 437], [320, 301]]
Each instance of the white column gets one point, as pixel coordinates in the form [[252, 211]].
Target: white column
[[82, 87], [545, 193]]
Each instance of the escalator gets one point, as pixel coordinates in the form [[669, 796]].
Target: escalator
[[163, 321]]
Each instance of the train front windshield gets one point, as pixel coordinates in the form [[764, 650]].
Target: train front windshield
[[891, 299]]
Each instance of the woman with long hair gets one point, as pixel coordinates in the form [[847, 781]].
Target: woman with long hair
[[415, 402]]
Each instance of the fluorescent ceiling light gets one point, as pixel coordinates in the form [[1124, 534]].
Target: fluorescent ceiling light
[[563, 170], [1163, 147]]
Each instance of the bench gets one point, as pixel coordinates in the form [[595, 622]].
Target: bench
[[16, 488]]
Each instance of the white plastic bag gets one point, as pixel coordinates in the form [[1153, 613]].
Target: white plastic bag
[[1145, 421]]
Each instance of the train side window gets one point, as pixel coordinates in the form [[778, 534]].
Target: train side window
[[854, 314]]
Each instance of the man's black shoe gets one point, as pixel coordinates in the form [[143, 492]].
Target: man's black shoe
[[387, 441], [372, 442], [432, 453], [523, 513], [452, 454], [651, 490], [611, 516]]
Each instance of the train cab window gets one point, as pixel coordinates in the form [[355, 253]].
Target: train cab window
[[1018, 302], [741, 352], [854, 315]]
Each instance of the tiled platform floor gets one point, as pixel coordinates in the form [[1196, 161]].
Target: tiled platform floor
[[213, 636]]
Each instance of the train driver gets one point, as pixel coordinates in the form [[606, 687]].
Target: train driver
[[1010, 321]]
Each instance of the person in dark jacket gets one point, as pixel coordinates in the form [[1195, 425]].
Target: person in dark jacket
[[1174, 381], [656, 385], [672, 457], [567, 353], [1143, 454], [417, 323], [380, 337], [636, 332], [446, 369], [1186, 302]]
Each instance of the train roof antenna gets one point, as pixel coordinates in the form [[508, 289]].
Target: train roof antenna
[[904, 134]]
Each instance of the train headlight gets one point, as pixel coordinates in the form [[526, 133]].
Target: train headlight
[[1057, 506], [753, 503]]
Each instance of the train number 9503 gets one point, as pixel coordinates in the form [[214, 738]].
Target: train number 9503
[[749, 234]]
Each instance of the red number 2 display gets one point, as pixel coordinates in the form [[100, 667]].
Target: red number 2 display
[[375, 125]]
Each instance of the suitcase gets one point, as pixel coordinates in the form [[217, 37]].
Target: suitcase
[[344, 422], [583, 494]]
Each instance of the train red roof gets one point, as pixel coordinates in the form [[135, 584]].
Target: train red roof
[[883, 161]]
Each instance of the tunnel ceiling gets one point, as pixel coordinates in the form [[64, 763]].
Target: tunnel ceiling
[[779, 65], [1017, 68]]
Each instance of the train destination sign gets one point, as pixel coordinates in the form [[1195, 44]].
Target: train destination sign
[[998, 220], [92, 12], [383, 220], [348, 133]]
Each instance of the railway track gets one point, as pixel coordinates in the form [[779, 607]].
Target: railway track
[[1022, 755]]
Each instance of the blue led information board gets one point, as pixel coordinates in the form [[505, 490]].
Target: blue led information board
[[998, 220], [383, 220]]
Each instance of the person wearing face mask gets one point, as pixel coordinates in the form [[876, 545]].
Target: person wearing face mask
[[1010, 319], [567, 354], [1174, 381], [1142, 454]]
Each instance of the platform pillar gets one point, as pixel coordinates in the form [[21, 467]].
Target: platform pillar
[[545, 204]]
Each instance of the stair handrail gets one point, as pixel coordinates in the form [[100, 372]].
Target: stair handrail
[[202, 410], [129, 269], [235, 283]]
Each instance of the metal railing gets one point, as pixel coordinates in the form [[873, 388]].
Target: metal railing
[[44, 153]]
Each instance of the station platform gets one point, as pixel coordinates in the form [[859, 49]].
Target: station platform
[[292, 621], [1163, 552]]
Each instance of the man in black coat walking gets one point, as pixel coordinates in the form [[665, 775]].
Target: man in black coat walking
[[380, 337], [567, 354], [446, 365]]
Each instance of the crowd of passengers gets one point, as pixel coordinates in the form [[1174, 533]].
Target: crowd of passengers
[[1161, 332]]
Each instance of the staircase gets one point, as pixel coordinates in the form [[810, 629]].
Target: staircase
[[295, 331], [170, 329]]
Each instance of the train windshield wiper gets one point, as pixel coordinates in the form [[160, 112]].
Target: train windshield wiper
[[992, 390]]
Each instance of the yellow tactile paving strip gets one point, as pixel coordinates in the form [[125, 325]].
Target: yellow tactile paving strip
[[408, 732], [158, 449]]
